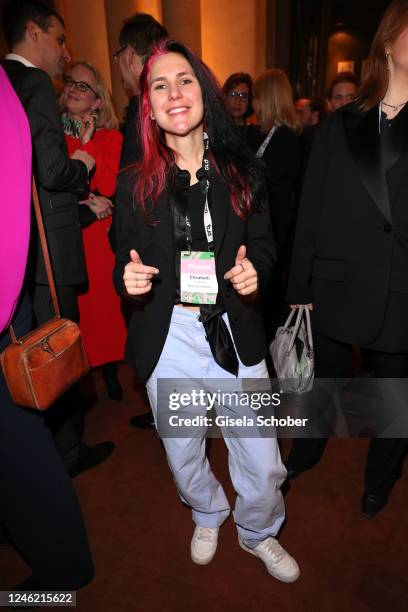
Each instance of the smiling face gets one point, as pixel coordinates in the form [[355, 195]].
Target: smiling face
[[175, 96], [79, 102]]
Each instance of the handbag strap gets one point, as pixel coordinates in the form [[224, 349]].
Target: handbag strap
[[309, 328], [289, 319], [303, 310], [47, 260], [265, 143], [296, 328]]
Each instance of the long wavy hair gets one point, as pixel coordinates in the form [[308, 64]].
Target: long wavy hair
[[274, 94], [375, 83], [106, 117], [228, 155]]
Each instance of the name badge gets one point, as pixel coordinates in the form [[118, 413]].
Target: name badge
[[198, 280]]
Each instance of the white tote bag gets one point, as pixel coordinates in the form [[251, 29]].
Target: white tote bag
[[292, 353]]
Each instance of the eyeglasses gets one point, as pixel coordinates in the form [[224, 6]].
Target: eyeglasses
[[241, 95], [79, 85], [118, 53]]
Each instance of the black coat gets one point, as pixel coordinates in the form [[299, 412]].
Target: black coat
[[351, 248], [282, 161], [150, 321], [131, 153], [131, 139], [59, 179]]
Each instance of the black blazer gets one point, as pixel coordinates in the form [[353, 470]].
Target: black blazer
[[150, 320], [59, 179], [351, 247]]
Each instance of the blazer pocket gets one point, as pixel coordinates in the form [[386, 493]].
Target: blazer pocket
[[329, 269]]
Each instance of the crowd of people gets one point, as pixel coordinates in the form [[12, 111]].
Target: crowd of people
[[205, 179]]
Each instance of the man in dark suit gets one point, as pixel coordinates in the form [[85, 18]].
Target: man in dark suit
[[36, 37], [137, 36]]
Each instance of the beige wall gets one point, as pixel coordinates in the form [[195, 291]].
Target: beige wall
[[230, 35], [182, 19], [86, 32], [116, 12]]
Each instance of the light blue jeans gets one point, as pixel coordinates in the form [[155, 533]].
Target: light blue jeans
[[255, 464]]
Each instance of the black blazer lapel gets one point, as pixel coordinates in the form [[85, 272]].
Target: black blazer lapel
[[363, 139]]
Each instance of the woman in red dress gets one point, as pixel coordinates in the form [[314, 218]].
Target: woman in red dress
[[90, 124]]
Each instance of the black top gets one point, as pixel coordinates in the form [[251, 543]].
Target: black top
[[386, 147], [193, 203]]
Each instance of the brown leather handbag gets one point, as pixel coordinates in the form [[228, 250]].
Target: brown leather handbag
[[43, 364]]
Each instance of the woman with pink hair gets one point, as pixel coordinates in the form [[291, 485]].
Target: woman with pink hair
[[195, 248]]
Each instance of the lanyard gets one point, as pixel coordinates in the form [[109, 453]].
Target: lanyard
[[265, 143], [207, 214]]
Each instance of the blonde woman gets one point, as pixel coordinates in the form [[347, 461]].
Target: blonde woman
[[90, 124], [276, 140]]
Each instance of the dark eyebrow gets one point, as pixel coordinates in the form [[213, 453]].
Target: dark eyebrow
[[179, 74]]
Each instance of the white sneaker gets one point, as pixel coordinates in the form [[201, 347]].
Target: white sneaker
[[204, 544], [278, 562]]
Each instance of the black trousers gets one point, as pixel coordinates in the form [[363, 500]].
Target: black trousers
[[65, 418], [385, 455], [38, 506]]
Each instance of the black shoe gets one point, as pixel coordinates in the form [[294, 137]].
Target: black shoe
[[113, 386], [143, 421], [372, 504], [89, 457]]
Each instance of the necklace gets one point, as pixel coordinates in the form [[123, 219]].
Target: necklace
[[394, 107]]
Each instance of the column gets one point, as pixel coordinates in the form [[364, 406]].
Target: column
[[85, 22], [229, 32], [182, 19]]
